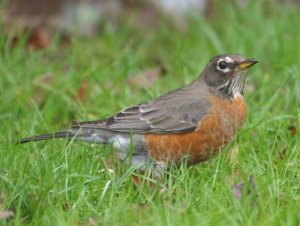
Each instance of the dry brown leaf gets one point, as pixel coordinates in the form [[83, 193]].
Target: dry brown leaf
[[81, 92], [238, 188], [6, 214], [147, 78], [292, 129], [39, 38]]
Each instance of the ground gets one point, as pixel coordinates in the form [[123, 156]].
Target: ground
[[68, 183]]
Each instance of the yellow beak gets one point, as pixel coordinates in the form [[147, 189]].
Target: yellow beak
[[245, 64]]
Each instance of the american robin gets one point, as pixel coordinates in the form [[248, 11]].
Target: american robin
[[191, 122]]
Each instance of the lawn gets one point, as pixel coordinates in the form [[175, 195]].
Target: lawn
[[68, 183]]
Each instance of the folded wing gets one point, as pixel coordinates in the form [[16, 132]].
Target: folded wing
[[169, 114]]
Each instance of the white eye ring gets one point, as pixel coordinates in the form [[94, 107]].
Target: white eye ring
[[226, 60]]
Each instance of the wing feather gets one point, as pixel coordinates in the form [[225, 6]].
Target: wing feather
[[169, 113]]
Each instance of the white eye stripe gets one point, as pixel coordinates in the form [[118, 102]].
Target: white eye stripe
[[228, 60]]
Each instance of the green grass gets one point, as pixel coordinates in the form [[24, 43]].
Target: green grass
[[61, 183]]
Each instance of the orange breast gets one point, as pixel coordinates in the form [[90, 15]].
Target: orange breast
[[214, 130]]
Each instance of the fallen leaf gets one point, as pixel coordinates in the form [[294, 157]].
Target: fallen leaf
[[39, 38], [6, 214], [292, 129], [147, 78], [81, 92], [239, 188]]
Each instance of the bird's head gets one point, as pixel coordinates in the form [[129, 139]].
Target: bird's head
[[225, 74]]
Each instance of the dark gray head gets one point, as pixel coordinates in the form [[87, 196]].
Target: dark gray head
[[225, 74]]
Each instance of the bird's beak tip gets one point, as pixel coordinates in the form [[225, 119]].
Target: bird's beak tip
[[253, 60], [247, 63]]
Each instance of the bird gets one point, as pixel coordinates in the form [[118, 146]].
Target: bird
[[193, 122]]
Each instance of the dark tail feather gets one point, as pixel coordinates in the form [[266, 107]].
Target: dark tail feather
[[61, 134]]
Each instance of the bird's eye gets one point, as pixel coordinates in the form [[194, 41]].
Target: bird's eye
[[222, 65]]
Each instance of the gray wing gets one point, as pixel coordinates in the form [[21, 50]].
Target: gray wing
[[169, 113]]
